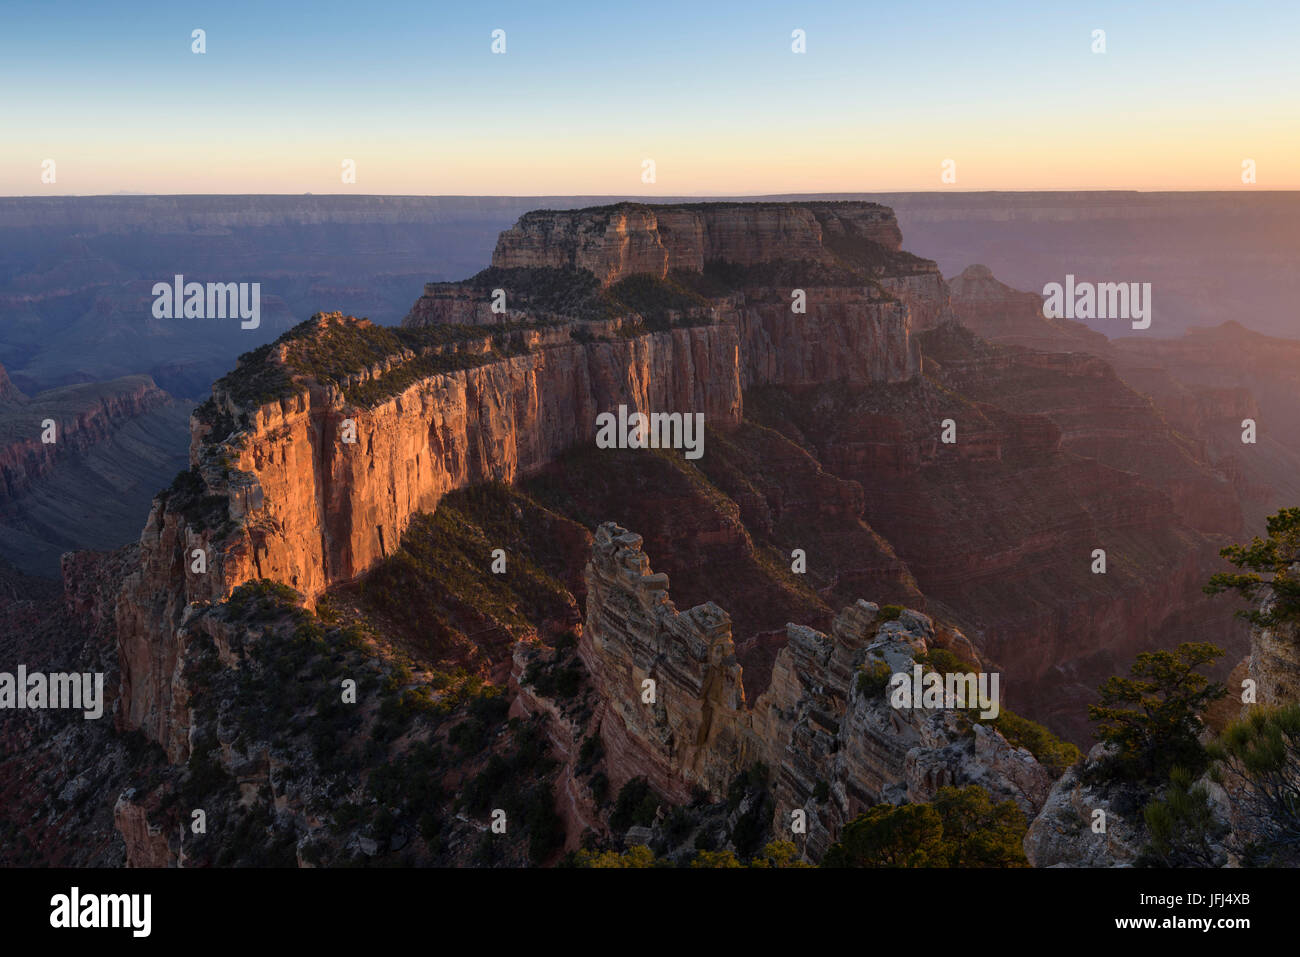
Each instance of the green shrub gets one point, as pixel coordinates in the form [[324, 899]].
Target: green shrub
[[959, 828], [873, 679], [1049, 750], [636, 805]]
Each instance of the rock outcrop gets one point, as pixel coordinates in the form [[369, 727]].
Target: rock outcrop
[[1274, 660], [1005, 316], [1086, 825], [834, 743], [669, 680]]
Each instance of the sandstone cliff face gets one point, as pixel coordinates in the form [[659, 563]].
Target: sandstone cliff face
[[289, 500], [924, 293], [845, 335], [846, 332], [815, 725], [147, 844], [694, 729]]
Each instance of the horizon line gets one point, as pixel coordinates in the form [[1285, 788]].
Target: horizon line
[[631, 197]]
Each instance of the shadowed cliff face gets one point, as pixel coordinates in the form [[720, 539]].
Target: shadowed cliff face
[[90, 484], [60, 774], [1054, 458]]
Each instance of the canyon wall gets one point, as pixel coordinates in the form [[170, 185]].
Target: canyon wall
[[845, 335], [114, 443], [8, 391], [284, 496], [84, 415], [1054, 457]]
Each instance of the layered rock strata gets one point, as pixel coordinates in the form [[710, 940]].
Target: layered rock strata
[[614, 242], [834, 744], [83, 415], [285, 496]]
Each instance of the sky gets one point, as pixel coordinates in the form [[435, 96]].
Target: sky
[[110, 97]]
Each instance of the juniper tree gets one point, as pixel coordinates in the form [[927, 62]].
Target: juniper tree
[[961, 827], [1153, 718], [1272, 579], [1182, 830], [1258, 758]]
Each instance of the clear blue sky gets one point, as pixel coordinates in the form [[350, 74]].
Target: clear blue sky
[[1011, 92]]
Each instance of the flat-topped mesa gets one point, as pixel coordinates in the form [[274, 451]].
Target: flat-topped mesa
[[829, 735], [614, 242], [817, 291]]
